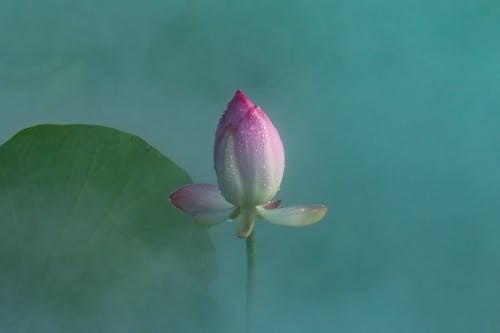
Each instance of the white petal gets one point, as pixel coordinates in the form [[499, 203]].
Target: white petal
[[203, 202], [226, 167], [294, 216]]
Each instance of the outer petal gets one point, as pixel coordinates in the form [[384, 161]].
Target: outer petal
[[203, 202], [226, 167], [294, 216], [260, 157], [225, 163]]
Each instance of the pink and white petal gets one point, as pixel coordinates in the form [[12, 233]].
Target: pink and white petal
[[203, 202], [294, 216], [260, 157]]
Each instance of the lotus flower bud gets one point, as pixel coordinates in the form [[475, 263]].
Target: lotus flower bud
[[249, 159]]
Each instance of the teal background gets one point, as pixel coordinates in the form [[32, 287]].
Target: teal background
[[388, 110]]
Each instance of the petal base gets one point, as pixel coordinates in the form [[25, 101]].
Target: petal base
[[246, 224]]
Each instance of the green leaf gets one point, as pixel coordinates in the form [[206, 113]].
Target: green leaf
[[89, 241]]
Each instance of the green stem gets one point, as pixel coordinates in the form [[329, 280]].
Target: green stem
[[250, 242]]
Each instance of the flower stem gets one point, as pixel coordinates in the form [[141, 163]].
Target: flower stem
[[250, 242]]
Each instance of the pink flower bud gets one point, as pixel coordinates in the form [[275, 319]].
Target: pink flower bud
[[248, 155]]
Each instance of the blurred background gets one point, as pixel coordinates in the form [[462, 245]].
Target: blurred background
[[389, 113]]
